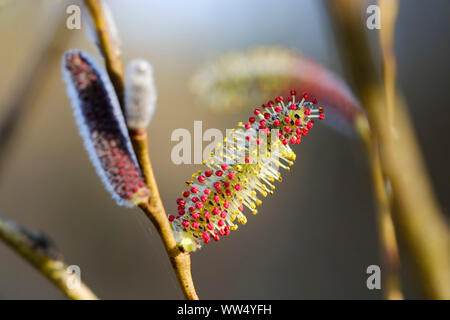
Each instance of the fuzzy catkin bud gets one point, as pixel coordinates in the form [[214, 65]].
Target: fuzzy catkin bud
[[102, 127], [140, 94]]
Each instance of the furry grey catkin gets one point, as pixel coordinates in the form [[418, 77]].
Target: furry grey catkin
[[140, 94], [102, 127]]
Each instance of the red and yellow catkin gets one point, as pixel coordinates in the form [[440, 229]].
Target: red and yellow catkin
[[237, 175], [102, 126]]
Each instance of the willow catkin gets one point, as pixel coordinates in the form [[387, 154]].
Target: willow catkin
[[102, 127], [140, 94], [235, 176]]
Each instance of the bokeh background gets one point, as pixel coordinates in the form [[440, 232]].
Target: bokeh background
[[313, 239]]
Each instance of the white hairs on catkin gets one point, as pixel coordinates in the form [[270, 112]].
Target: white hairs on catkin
[[140, 94]]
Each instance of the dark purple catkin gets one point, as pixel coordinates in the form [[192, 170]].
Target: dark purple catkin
[[102, 127]]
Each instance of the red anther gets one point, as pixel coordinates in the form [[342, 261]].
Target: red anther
[[216, 199], [287, 129], [263, 106], [280, 135], [298, 122], [248, 126], [252, 119], [201, 179], [219, 173], [321, 116], [186, 194], [293, 140], [249, 138], [310, 125], [241, 208], [181, 212], [292, 106], [258, 141], [195, 225], [247, 160], [314, 100], [279, 99], [216, 211], [278, 109], [182, 203], [256, 112], [216, 185], [179, 200], [194, 199], [207, 215], [194, 189], [220, 223], [226, 184], [185, 224], [205, 237], [226, 205], [231, 175], [285, 141], [298, 131], [238, 187], [195, 215], [228, 192], [216, 238], [221, 232], [134, 189], [262, 123], [298, 139], [208, 173], [276, 122], [210, 226], [207, 191], [266, 115], [199, 205], [223, 214], [293, 92], [305, 131], [204, 198], [307, 112], [305, 96], [171, 217], [224, 167], [191, 209], [287, 119], [270, 104]]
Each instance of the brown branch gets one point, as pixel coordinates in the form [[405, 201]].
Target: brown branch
[[40, 252], [154, 209], [107, 46], [417, 213]]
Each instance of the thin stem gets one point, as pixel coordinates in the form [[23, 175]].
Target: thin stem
[[417, 214], [107, 45], [28, 89], [39, 251], [388, 241], [154, 209]]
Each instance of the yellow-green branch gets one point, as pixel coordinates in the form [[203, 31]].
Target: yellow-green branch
[[40, 253]]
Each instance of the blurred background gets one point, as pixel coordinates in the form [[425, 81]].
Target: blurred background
[[313, 239]]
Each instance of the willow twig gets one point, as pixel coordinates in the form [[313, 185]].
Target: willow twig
[[40, 252], [28, 89], [154, 209], [417, 213]]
